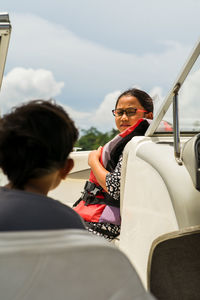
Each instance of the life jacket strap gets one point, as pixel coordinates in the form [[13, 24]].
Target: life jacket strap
[[90, 196], [92, 188]]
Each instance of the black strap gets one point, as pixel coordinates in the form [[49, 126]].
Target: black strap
[[91, 191], [92, 199], [92, 188]]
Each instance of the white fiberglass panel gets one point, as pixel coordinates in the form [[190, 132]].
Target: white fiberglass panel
[[184, 197], [69, 190], [147, 211]]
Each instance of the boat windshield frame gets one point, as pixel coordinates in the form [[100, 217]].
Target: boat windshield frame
[[5, 31], [169, 99]]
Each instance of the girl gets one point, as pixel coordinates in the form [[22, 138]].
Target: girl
[[99, 204]]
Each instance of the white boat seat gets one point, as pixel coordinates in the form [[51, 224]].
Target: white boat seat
[[174, 265], [65, 264]]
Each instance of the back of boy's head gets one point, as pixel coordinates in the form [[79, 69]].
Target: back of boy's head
[[35, 140]]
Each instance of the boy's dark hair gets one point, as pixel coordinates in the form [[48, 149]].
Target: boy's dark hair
[[35, 139], [144, 99]]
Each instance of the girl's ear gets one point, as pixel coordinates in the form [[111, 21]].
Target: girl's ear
[[67, 168], [149, 115]]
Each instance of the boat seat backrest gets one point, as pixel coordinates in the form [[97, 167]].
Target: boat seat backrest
[[65, 264], [174, 265]]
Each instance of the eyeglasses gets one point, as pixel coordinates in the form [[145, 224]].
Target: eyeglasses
[[129, 112]]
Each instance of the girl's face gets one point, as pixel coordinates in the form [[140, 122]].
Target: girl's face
[[126, 119]]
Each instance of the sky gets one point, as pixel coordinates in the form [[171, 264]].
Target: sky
[[84, 53]]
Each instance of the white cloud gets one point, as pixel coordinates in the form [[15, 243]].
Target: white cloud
[[112, 22], [90, 75], [102, 117], [189, 104], [188, 101], [21, 85], [189, 94], [94, 69], [157, 95], [81, 119]]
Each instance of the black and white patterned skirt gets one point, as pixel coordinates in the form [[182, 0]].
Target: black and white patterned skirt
[[106, 230]]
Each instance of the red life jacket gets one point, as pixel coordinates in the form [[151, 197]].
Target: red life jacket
[[96, 205], [95, 202]]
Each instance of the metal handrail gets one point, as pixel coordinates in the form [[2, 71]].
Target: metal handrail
[[177, 147], [168, 100], [173, 96]]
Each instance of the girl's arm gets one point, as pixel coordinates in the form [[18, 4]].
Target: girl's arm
[[97, 168]]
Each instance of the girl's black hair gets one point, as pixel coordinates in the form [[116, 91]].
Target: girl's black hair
[[35, 139], [144, 99]]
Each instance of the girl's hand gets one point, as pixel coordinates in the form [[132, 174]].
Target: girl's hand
[[94, 156]]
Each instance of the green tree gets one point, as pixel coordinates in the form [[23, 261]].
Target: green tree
[[92, 138]]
